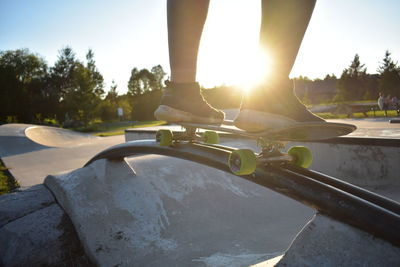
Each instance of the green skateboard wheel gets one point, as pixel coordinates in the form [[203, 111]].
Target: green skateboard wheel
[[302, 156], [242, 161], [211, 137], [164, 137]]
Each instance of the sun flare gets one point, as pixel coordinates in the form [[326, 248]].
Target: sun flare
[[244, 70], [254, 69], [229, 50]]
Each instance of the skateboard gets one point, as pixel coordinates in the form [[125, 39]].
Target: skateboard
[[271, 142]]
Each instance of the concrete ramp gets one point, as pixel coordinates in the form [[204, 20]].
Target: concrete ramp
[[172, 212], [32, 152], [57, 137], [18, 138], [14, 141]]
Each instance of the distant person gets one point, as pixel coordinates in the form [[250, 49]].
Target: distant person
[[273, 104], [381, 101], [387, 102], [395, 102]]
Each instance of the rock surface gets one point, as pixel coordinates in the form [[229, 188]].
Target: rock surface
[[327, 242], [173, 212], [35, 231]]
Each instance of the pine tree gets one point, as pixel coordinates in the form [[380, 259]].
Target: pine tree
[[389, 82], [352, 82], [134, 83], [158, 77]]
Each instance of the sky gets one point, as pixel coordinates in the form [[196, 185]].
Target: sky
[[133, 33]]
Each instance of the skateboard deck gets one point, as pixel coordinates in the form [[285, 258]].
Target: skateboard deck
[[297, 132], [272, 142]]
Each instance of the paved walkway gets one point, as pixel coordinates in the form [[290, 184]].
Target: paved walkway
[[47, 150], [374, 127], [30, 162]]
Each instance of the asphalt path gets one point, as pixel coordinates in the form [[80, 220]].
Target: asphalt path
[[30, 162], [33, 152]]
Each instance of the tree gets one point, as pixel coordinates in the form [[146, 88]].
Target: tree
[[79, 87], [158, 77], [85, 97], [144, 81], [302, 85], [134, 83], [22, 79], [112, 94], [61, 82], [94, 75], [108, 107], [352, 82], [144, 91], [356, 69], [330, 77], [61, 74], [306, 98], [223, 97], [125, 102], [389, 82], [143, 106]]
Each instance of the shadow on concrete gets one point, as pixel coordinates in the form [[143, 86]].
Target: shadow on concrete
[[15, 145]]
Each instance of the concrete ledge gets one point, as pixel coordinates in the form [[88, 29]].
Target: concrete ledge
[[20, 203], [172, 212], [326, 242], [42, 238], [362, 164], [35, 231]]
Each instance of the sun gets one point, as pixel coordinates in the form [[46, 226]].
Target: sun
[[229, 51], [254, 69], [243, 70]]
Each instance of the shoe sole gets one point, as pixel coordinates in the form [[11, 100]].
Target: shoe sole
[[169, 114], [257, 121]]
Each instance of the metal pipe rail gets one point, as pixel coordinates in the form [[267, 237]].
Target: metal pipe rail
[[339, 200], [372, 197]]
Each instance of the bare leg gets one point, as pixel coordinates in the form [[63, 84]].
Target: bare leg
[[282, 29], [186, 19], [275, 105], [182, 100]]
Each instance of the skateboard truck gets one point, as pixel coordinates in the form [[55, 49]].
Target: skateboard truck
[[241, 161], [245, 161], [272, 153], [166, 137]]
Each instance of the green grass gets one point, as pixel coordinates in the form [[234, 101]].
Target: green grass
[[3, 182], [329, 115], [119, 129], [381, 113], [7, 182], [378, 114], [344, 102]]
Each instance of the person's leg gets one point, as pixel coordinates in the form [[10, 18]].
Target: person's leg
[[186, 20], [274, 104], [182, 100], [283, 26]]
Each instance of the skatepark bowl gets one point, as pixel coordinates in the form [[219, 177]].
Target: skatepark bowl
[[140, 204], [57, 137]]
